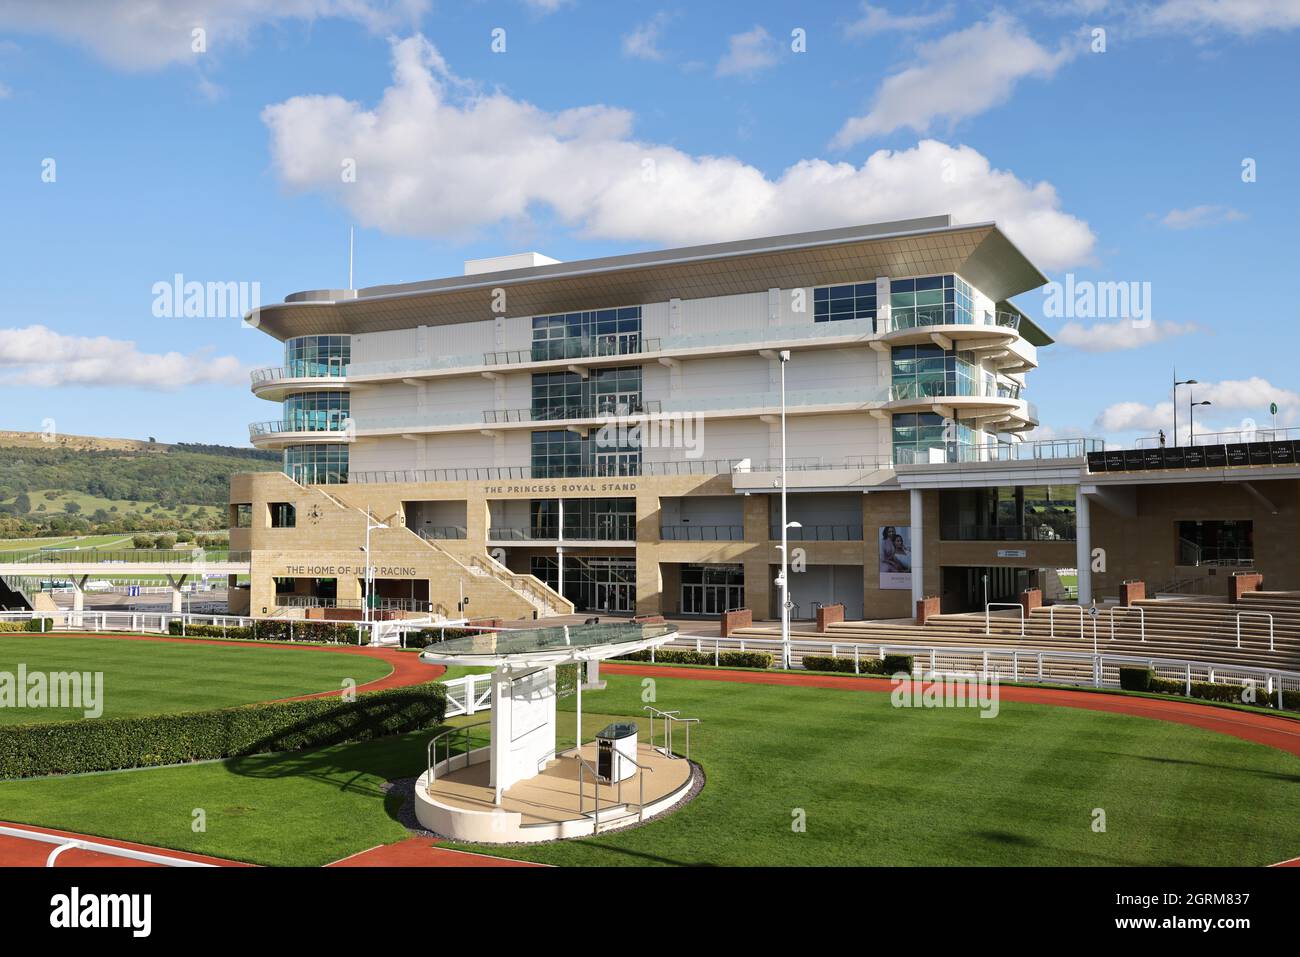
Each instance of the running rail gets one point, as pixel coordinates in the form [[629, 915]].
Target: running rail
[[74, 843]]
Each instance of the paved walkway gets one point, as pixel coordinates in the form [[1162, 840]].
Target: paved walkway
[[1282, 733]]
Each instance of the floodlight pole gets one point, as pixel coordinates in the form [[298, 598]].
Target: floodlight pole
[[783, 358]]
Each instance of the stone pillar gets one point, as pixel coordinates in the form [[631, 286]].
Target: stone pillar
[[1083, 545], [1130, 593], [927, 608], [79, 592], [918, 540], [1242, 582], [176, 582], [1030, 599]]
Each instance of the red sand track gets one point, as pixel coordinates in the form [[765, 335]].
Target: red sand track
[[20, 852], [1282, 733], [407, 669], [424, 852]]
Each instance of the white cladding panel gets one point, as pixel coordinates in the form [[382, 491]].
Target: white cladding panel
[[385, 346], [724, 313]]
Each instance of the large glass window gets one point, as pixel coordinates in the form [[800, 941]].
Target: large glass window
[[836, 303], [317, 464], [930, 370], [592, 583], [1216, 543], [1008, 513], [930, 301], [317, 355], [599, 332], [926, 436], [566, 395], [315, 411], [560, 453]]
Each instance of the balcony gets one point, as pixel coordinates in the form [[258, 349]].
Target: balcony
[[818, 533], [618, 528], [442, 533], [619, 344], [599, 409], [702, 533], [275, 382], [1047, 449], [291, 432]]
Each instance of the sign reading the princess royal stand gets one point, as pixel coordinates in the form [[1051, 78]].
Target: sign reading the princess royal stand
[[895, 556]]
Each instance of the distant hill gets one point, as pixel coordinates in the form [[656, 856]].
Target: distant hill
[[75, 484]]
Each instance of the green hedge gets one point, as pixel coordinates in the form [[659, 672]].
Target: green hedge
[[33, 624], [1228, 693], [431, 636], [1136, 679], [106, 744], [889, 665], [724, 659], [273, 630]]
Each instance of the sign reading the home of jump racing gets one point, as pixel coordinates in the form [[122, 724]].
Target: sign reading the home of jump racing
[[895, 556]]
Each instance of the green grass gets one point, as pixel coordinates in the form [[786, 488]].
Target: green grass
[[878, 785], [147, 677], [91, 503]]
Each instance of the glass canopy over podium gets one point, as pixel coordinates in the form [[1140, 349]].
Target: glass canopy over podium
[[521, 787]]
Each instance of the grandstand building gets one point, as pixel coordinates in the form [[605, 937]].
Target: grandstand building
[[536, 438]]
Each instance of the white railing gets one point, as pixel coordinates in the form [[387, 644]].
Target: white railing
[[159, 623], [1051, 619], [1016, 664], [70, 844], [1142, 619], [1004, 604], [1255, 614], [469, 694]]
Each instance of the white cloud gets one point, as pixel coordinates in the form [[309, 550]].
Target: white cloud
[[545, 6], [1242, 17], [747, 53], [40, 357], [959, 75], [1122, 334], [1195, 216], [147, 35], [435, 158], [643, 42], [5, 92], [876, 20], [1250, 397]]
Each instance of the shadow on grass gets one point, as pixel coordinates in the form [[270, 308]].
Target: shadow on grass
[[1254, 772]]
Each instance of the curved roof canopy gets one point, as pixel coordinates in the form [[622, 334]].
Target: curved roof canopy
[[533, 647], [979, 252]]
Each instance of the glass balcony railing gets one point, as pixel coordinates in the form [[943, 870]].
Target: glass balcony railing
[[921, 316], [621, 528], [702, 533], [1002, 452], [818, 533], [299, 370], [289, 426], [585, 347]]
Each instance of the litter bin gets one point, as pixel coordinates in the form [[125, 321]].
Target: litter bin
[[619, 738]]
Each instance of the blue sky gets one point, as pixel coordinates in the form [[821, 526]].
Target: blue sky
[[223, 165]]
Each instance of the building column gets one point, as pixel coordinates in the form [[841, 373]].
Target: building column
[[176, 582], [1083, 544], [79, 592], [918, 541]]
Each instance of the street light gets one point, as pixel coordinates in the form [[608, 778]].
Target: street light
[[1177, 383], [1191, 416], [784, 357]]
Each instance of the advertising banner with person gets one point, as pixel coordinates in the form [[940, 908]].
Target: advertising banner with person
[[895, 556]]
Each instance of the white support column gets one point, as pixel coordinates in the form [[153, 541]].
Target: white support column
[[177, 605], [1083, 545], [918, 543], [79, 592]]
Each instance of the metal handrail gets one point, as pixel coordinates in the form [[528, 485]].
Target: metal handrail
[[668, 717], [1142, 618], [1004, 604], [582, 794], [1256, 614], [1051, 619], [431, 751]]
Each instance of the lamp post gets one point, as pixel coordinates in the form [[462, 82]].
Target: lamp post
[[784, 357], [1177, 383], [1191, 419], [371, 525]]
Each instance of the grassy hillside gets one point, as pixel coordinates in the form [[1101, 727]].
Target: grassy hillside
[[77, 485]]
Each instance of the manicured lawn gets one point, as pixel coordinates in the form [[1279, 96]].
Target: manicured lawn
[[142, 677], [878, 785]]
